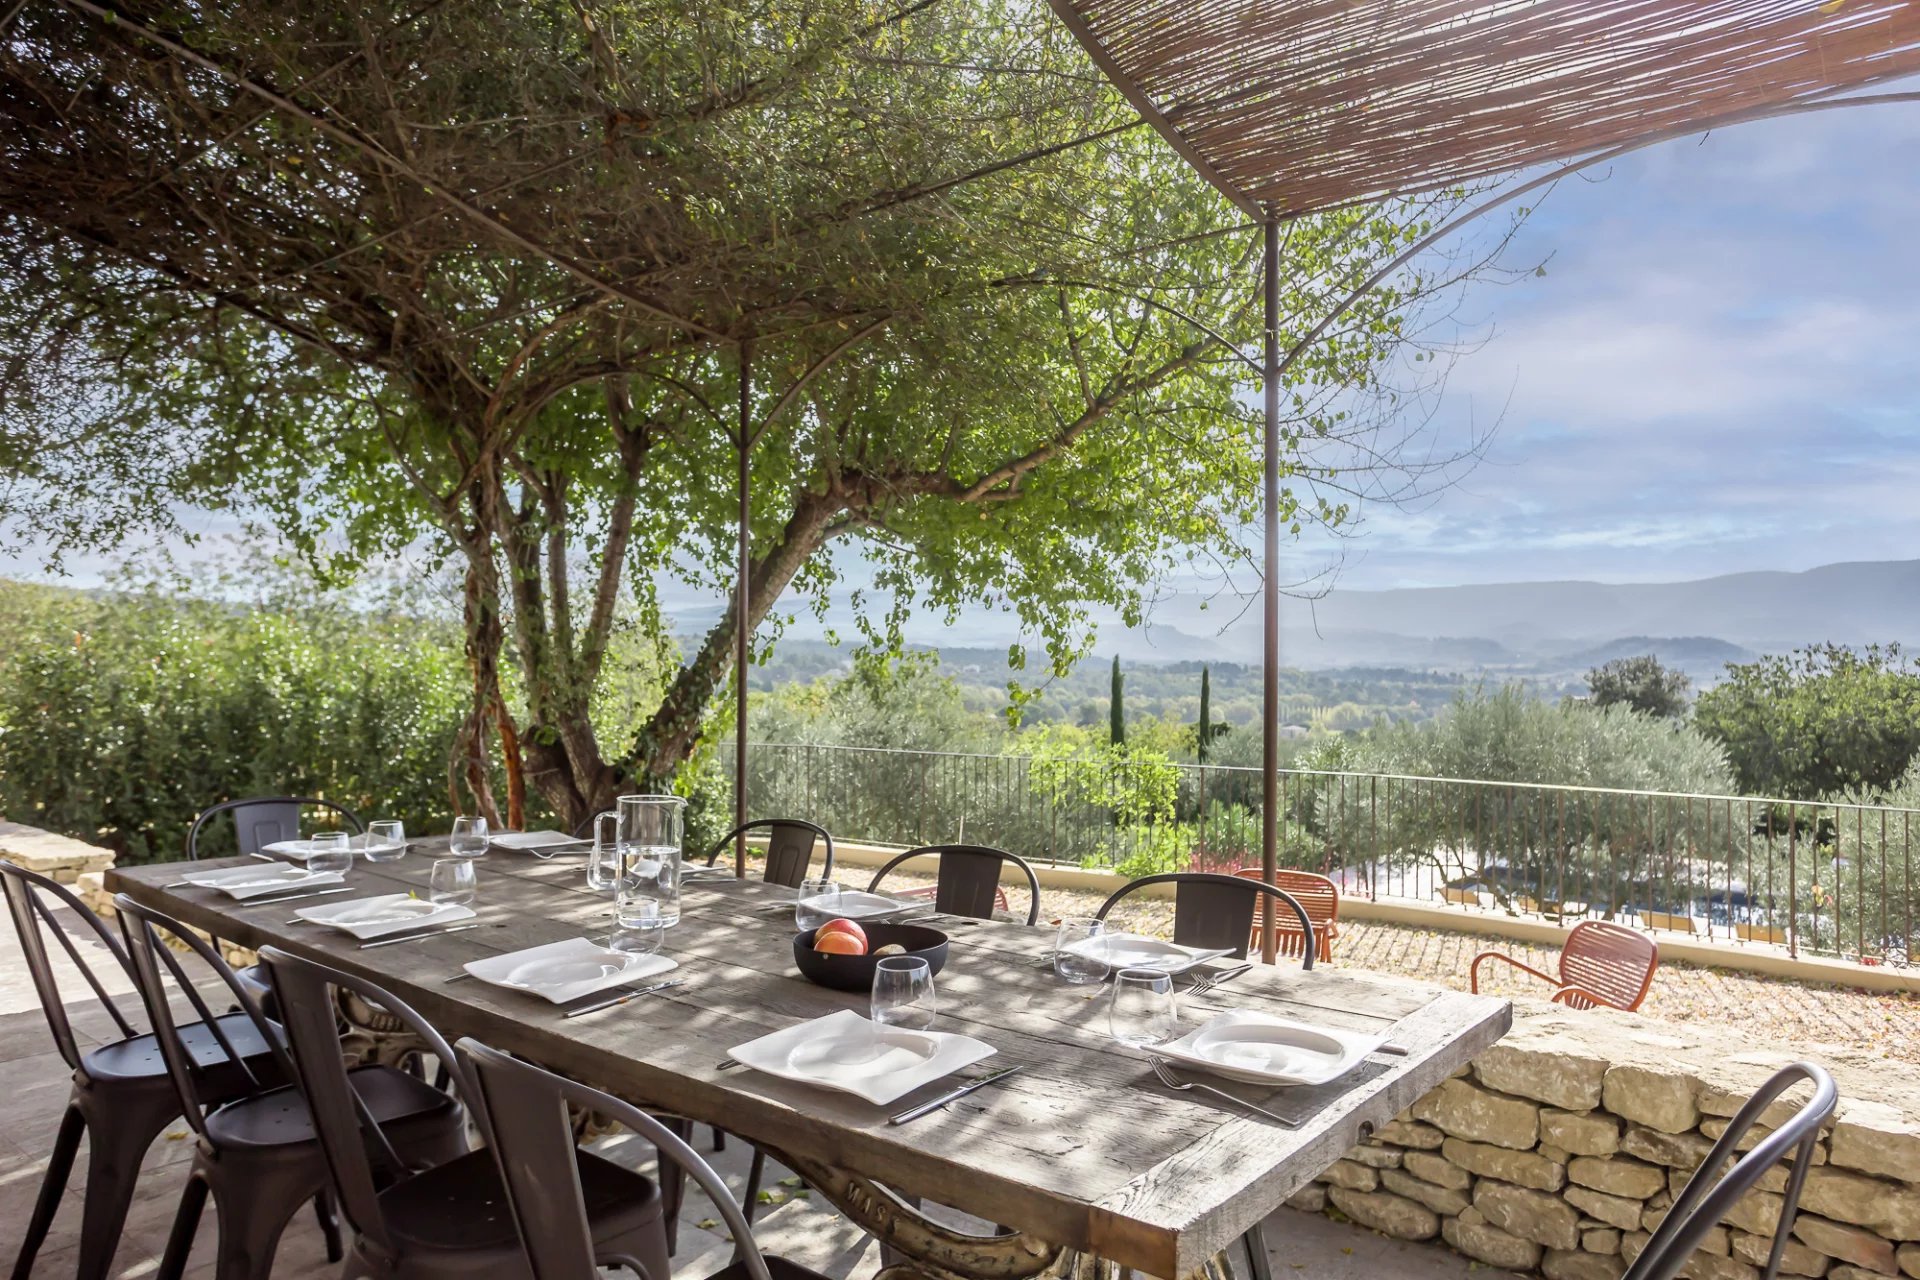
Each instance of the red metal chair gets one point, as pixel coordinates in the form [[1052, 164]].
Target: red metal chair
[[1319, 895], [1602, 964]]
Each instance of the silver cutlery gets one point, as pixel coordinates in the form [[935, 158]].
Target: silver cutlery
[[1392, 1050], [725, 1063], [264, 857], [623, 997], [952, 1095], [463, 974], [1178, 1085], [293, 897], [415, 937], [1207, 983]]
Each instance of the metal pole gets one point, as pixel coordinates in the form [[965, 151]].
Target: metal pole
[[742, 641], [1270, 692]]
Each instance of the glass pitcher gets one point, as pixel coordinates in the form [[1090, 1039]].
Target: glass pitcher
[[650, 835], [603, 859]]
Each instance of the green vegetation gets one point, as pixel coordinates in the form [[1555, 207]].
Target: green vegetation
[[1640, 682]]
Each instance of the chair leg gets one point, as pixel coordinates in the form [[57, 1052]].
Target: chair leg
[[52, 1186], [249, 1237], [186, 1225], [329, 1224], [113, 1167], [1259, 1263], [673, 1183], [755, 1171], [719, 1139]]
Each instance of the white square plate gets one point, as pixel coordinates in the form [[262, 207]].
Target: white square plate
[[303, 849], [845, 1051], [1133, 951], [563, 971], [1261, 1049], [258, 879], [535, 840], [855, 904], [388, 913]]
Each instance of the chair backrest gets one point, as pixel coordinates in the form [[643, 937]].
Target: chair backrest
[[1319, 895], [264, 820], [349, 1136], [1708, 1197], [1609, 960], [967, 882], [35, 922], [524, 1110], [790, 844], [1217, 911], [153, 964]]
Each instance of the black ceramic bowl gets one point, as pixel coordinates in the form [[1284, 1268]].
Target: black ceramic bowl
[[855, 973]]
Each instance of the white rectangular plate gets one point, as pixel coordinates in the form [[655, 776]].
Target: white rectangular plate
[[1261, 1049], [1133, 951], [846, 1052], [854, 904], [388, 913], [259, 879], [564, 971], [534, 840], [303, 849]]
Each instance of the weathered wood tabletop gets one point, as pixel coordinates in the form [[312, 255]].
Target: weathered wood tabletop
[[1083, 1148]]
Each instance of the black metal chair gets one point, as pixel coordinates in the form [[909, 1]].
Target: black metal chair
[[1708, 1196], [790, 844], [525, 1112], [968, 879], [123, 1096], [450, 1221], [265, 820], [257, 1156], [1217, 911]]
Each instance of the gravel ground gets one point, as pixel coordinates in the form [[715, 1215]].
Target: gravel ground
[[1767, 1009]]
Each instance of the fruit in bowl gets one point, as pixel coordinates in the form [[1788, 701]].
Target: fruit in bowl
[[847, 927], [826, 955]]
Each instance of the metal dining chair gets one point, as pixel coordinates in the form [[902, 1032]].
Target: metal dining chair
[[450, 1221], [967, 882], [1708, 1196], [123, 1096], [257, 1156], [524, 1110], [1319, 895], [1217, 911], [265, 820], [790, 844]]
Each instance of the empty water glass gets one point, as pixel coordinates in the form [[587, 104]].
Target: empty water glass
[[903, 994], [453, 880], [815, 903], [330, 851], [638, 926], [1142, 1012], [469, 838], [386, 841], [1079, 954], [604, 869]]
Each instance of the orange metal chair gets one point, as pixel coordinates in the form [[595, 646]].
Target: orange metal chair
[[1602, 964], [1319, 895]]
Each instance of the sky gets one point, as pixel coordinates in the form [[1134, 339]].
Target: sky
[[1716, 372]]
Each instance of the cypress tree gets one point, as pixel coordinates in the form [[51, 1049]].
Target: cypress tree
[[1116, 709], [1205, 735]]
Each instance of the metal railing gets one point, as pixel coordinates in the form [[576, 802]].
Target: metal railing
[[1817, 877]]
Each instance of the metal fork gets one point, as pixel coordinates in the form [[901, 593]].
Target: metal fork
[[1207, 983], [1167, 1078]]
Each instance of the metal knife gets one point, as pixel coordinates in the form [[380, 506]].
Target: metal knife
[[415, 937], [292, 897], [623, 997], [914, 1113]]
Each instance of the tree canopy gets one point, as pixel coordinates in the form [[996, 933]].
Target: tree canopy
[[518, 282], [1641, 683]]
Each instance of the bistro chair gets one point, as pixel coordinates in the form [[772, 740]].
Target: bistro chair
[[1708, 1197], [1319, 895], [968, 880], [123, 1095], [1602, 964], [790, 844], [525, 1111], [1217, 911], [265, 820], [449, 1221], [257, 1156]]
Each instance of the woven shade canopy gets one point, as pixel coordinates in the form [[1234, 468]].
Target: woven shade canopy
[[1289, 106]]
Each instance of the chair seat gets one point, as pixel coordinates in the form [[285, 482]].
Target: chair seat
[[138, 1058], [280, 1117], [461, 1206]]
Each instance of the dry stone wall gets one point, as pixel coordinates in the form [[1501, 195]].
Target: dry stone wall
[[1560, 1149]]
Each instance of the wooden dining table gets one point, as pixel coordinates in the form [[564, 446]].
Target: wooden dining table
[[1084, 1156]]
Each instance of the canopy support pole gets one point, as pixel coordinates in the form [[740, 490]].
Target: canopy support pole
[[1270, 683], [742, 638]]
